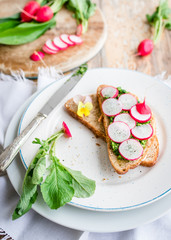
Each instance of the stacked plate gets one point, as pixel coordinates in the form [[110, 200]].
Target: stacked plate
[[121, 202]]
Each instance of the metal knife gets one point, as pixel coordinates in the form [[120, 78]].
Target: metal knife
[[11, 151]]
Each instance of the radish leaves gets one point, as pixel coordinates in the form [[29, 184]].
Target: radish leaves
[[83, 10], [160, 19]]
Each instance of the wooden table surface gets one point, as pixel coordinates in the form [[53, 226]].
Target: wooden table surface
[[127, 26]]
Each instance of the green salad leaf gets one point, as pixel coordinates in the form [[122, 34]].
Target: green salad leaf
[[83, 10], [58, 184], [25, 32]]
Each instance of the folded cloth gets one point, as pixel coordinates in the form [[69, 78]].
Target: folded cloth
[[14, 90]]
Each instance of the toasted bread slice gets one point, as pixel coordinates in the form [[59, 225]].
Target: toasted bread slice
[[122, 166], [94, 123]]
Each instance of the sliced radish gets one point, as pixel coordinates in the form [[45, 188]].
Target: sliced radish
[[142, 132], [59, 44], [79, 30], [127, 100], [118, 131], [111, 107], [48, 51], [139, 117], [64, 38], [126, 118], [75, 39], [50, 46], [142, 108], [110, 92], [131, 149]]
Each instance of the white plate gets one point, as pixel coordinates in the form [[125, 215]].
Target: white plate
[[78, 218], [138, 187]]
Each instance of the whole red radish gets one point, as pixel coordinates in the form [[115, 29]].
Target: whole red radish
[[44, 14], [37, 56], [145, 47], [29, 11]]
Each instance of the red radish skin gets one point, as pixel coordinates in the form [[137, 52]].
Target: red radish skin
[[145, 47], [50, 46], [127, 100], [117, 128], [67, 132], [142, 108], [149, 135], [142, 118], [75, 39], [131, 141], [48, 51], [115, 93], [31, 8], [126, 118], [111, 104], [79, 30], [44, 14], [59, 44], [64, 38], [37, 56]]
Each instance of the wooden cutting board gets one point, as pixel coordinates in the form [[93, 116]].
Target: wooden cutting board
[[13, 58]]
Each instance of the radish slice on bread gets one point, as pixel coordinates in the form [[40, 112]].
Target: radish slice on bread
[[65, 38], [139, 117], [110, 92], [142, 132], [118, 131], [75, 39], [126, 118], [111, 107], [131, 149], [127, 100], [59, 44], [50, 46]]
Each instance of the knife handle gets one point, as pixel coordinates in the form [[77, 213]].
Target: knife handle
[[11, 151]]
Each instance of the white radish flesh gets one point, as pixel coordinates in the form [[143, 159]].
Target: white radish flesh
[[126, 118], [110, 92], [64, 38], [142, 132], [127, 100], [59, 44], [118, 131], [50, 46], [139, 117], [131, 149], [75, 39], [48, 51], [111, 107]]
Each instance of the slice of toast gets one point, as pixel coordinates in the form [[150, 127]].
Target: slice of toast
[[94, 123], [150, 153]]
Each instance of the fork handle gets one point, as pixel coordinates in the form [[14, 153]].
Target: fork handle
[[11, 151]]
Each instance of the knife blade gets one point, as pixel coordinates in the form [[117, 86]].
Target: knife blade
[[11, 151]]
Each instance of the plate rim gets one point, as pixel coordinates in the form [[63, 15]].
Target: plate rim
[[100, 209], [154, 210]]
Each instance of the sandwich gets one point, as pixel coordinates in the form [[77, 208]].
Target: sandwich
[[127, 126]]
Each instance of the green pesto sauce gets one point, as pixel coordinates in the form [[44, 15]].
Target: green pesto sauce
[[114, 145]]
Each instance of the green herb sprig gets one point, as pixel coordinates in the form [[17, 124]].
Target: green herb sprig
[[61, 183], [160, 19]]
